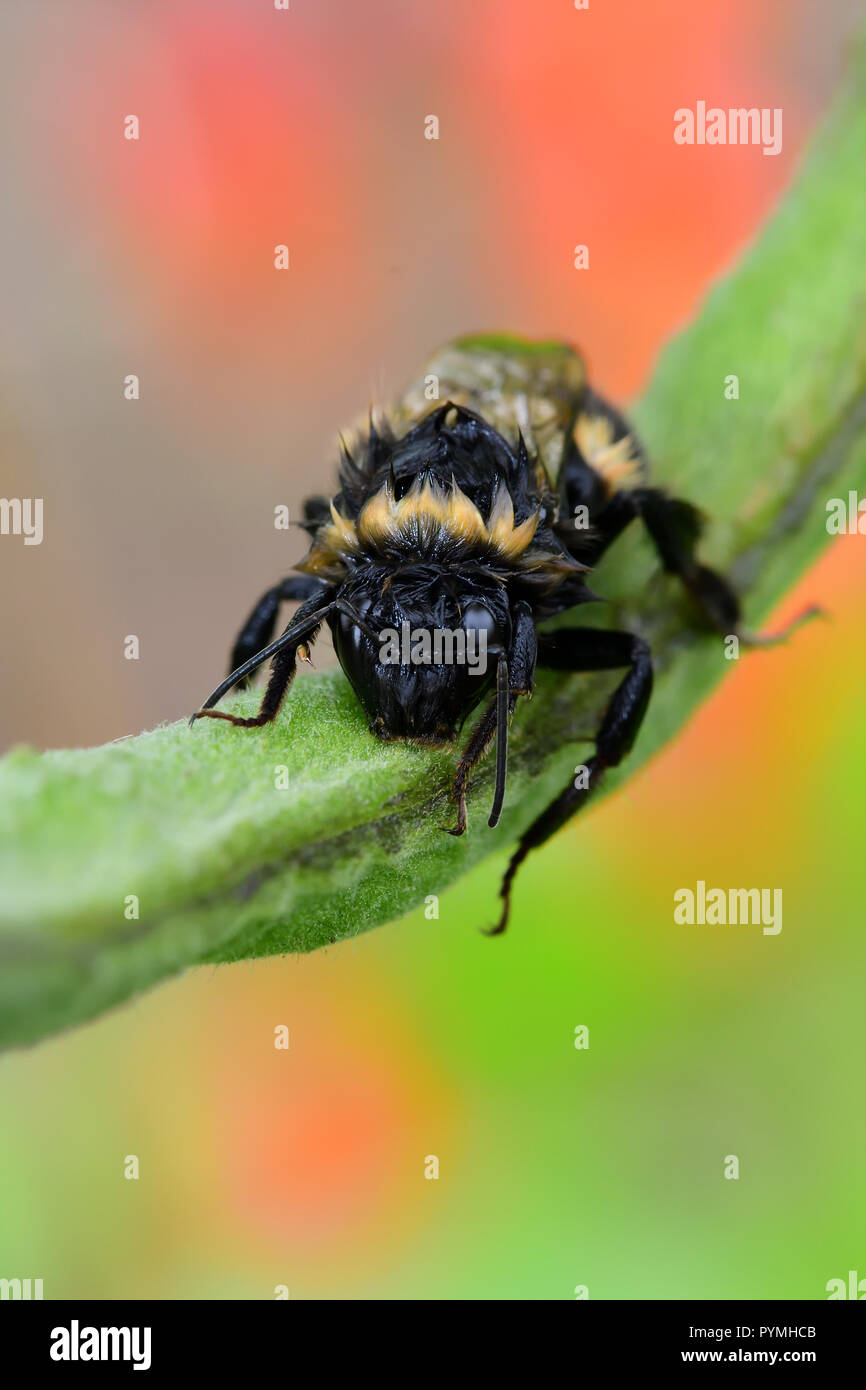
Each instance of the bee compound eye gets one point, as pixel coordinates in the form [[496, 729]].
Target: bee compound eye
[[485, 634], [479, 621]]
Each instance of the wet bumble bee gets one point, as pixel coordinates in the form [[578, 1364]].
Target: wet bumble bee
[[457, 516]]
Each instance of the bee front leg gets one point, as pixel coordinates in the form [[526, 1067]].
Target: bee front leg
[[258, 629], [295, 639], [520, 674]]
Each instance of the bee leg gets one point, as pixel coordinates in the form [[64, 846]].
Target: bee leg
[[258, 629], [588, 649], [316, 510], [472, 753], [607, 484], [299, 634], [520, 673], [675, 527]]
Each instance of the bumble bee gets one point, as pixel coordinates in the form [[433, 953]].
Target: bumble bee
[[459, 516]]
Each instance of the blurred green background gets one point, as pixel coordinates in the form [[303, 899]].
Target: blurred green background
[[558, 1167]]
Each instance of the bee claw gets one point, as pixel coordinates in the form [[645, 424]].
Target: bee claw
[[460, 827], [493, 931], [772, 639]]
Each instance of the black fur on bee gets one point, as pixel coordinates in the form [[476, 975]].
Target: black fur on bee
[[449, 526]]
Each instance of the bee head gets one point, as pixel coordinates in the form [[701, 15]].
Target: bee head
[[426, 652]]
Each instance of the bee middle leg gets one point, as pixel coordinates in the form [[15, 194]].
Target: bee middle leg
[[674, 527], [588, 649], [594, 481]]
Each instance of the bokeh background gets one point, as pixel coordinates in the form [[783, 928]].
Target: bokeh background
[[305, 1168]]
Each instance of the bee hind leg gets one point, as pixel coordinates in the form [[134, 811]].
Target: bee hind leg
[[587, 649]]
